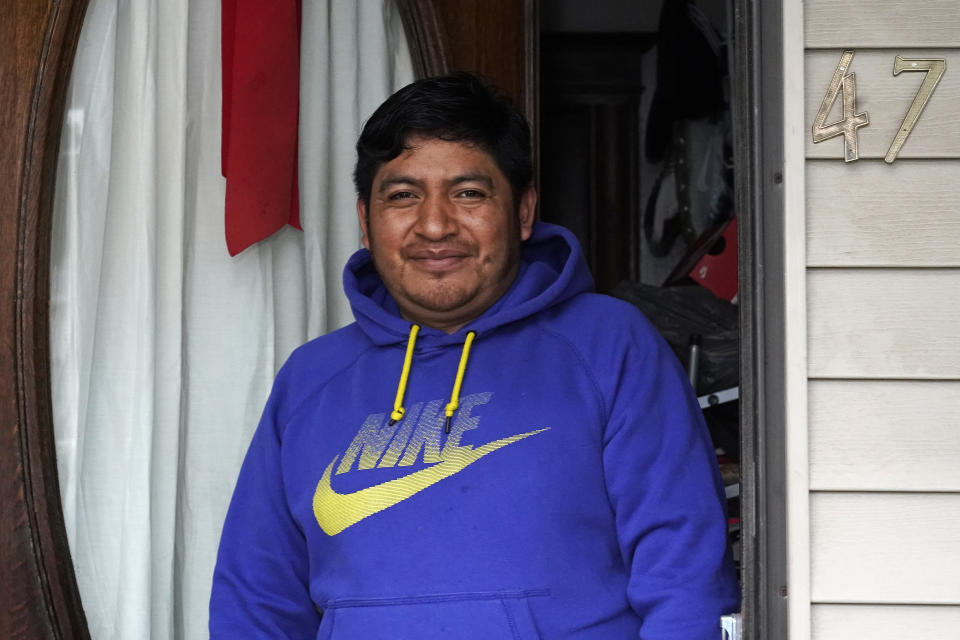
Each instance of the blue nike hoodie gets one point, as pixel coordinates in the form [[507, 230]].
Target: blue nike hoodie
[[542, 473]]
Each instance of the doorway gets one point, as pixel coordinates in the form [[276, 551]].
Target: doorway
[[636, 133], [481, 35]]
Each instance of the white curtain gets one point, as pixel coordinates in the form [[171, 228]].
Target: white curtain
[[163, 347]]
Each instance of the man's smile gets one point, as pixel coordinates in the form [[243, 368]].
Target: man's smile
[[438, 259]]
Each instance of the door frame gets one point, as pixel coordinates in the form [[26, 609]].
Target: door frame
[[757, 59], [39, 39]]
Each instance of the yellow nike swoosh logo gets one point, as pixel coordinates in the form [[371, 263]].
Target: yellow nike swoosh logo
[[337, 511]]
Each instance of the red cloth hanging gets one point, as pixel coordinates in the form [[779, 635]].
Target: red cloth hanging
[[260, 42]]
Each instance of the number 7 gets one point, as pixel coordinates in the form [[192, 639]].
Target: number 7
[[930, 81]]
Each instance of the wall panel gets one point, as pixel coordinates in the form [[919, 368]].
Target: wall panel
[[884, 435], [870, 213], [871, 622], [883, 323], [881, 23], [883, 344], [885, 548]]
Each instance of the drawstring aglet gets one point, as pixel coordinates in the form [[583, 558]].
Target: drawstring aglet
[[448, 412], [454, 403]]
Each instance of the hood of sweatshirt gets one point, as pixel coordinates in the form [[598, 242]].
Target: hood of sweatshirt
[[552, 270]]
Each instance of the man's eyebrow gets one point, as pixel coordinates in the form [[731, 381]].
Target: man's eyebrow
[[399, 179], [483, 178], [393, 180]]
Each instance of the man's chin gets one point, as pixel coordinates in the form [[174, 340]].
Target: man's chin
[[442, 304]]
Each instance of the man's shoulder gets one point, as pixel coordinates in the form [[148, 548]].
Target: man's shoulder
[[603, 329], [329, 352], [313, 364], [612, 340], [587, 315], [349, 338]]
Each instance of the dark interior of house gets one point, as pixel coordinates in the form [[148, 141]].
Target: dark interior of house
[[636, 159]]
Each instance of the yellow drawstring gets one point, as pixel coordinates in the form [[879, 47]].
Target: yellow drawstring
[[455, 394], [397, 414]]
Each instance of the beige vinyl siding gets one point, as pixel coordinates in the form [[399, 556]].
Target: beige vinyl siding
[[873, 622], [856, 212], [883, 323], [885, 435], [882, 23], [885, 548], [883, 330]]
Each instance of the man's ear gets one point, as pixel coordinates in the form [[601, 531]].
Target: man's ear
[[362, 214], [526, 212]]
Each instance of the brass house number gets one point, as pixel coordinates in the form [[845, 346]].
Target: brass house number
[[845, 81]]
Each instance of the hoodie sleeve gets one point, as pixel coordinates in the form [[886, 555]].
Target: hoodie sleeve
[[260, 583], [666, 492]]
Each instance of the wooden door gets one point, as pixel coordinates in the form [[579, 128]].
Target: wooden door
[[496, 38], [37, 42], [40, 598]]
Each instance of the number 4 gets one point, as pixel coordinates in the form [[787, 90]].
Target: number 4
[[848, 125]]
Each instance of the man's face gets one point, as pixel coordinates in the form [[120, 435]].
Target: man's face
[[444, 231]]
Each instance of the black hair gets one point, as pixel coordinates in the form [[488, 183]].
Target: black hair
[[460, 107]]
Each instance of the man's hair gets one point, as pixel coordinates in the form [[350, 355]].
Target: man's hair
[[459, 107]]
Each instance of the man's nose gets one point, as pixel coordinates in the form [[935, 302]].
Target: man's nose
[[437, 218]]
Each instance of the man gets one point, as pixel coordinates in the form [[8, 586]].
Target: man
[[489, 451]]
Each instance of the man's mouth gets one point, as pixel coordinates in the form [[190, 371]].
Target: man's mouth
[[438, 259]]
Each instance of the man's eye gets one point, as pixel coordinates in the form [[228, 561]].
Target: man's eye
[[401, 195], [472, 193]]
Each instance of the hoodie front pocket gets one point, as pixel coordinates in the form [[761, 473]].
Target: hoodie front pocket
[[488, 615]]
